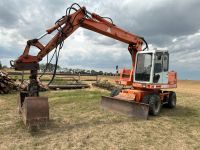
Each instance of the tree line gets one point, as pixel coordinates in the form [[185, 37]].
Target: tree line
[[50, 68], [2, 66]]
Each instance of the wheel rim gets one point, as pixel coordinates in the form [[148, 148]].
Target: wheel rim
[[157, 106]]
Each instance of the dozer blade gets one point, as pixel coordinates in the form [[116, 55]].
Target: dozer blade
[[129, 108], [35, 111]]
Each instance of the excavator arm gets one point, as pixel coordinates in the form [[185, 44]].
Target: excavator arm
[[66, 26]]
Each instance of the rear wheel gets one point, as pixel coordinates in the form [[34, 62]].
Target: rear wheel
[[171, 100], [154, 103]]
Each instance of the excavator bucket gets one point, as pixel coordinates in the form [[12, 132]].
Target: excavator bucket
[[127, 107], [35, 111]]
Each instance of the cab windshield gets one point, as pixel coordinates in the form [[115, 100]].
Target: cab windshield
[[143, 67]]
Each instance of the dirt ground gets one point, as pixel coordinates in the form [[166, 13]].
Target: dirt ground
[[77, 122]]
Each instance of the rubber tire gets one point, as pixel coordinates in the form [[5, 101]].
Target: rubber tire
[[154, 103], [145, 99], [115, 92], [171, 100]]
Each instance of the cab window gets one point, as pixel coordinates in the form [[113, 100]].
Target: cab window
[[143, 67], [158, 63], [165, 62]]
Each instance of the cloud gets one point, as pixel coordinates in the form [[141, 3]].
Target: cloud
[[8, 14], [186, 51], [159, 20], [87, 54], [170, 24]]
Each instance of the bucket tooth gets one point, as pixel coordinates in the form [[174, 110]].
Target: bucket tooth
[[35, 111], [127, 107]]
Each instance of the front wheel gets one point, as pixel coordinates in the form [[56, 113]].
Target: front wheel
[[154, 103]]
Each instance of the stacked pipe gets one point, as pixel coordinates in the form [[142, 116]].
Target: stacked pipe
[[7, 84]]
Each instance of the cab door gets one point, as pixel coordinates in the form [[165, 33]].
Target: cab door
[[158, 68], [165, 64]]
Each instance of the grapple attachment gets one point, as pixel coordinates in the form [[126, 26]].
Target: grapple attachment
[[35, 111], [127, 107]]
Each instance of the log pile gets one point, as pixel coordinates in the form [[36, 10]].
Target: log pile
[[104, 85], [7, 84]]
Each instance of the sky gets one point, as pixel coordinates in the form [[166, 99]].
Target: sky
[[165, 24]]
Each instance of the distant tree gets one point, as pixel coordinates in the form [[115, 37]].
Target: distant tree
[[42, 67], [88, 71], [4, 67], [0, 65], [108, 74], [93, 72], [49, 67], [83, 71], [100, 72]]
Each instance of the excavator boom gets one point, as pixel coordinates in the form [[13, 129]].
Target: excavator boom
[[66, 26]]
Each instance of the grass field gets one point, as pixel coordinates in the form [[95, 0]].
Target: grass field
[[77, 122]]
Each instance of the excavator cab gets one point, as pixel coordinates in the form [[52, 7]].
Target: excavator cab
[[152, 67]]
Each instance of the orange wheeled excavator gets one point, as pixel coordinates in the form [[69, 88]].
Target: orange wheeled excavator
[[149, 73]]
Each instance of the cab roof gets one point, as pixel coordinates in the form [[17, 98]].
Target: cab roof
[[154, 51]]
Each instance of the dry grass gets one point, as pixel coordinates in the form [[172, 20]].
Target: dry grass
[[77, 122]]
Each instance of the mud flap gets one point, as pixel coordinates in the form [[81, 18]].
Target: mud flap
[[35, 111], [129, 108]]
